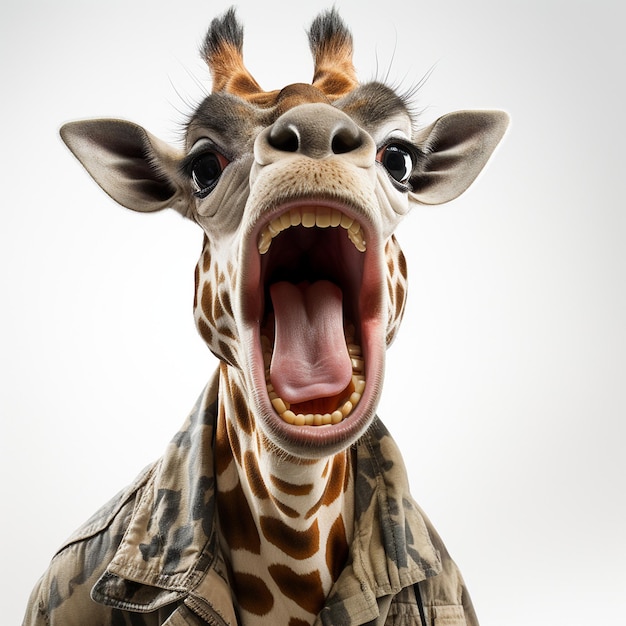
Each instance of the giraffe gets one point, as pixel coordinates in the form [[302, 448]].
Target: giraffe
[[299, 289]]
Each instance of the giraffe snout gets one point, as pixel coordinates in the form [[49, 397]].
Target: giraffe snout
[[318, 131]]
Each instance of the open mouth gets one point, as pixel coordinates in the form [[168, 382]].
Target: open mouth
[[312, 300]]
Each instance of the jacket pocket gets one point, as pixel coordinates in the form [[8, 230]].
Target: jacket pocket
[[448, 615]]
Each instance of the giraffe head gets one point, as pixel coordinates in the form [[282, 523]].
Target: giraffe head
[[301, 284]]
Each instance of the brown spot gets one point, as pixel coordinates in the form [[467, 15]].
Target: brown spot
[[236, 521], [205, 331], [206, 300], [252, 594], [314, 509], [253, 474], [390, 336], [400, 293], [233, 439], [225, 331], [262, 443], [334, 486], [285, 510], [336, 548], [206, 257], [290, 488], [304, 589], [217, 309], [242, 411], [196, 281], [325, 469], [346, 478], [223, 452], [297, 544], [402, 263], [226, 353], [226, 303], [294, 621], [230, 384]]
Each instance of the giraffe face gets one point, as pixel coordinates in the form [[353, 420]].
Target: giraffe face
[[301, 284]]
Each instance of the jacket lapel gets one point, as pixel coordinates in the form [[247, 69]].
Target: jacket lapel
[[170, 545], [392, 547]]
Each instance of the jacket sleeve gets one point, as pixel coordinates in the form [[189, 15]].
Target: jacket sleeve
[[62, 596], [445, 595], [35, 613]]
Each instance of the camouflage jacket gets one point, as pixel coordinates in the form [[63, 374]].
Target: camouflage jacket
[[150, 556]]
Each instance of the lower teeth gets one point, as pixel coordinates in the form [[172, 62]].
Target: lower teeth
[[283, 408]]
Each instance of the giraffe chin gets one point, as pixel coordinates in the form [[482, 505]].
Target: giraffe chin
[[306, 252]]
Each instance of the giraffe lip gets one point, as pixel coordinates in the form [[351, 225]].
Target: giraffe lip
[[312, 254]]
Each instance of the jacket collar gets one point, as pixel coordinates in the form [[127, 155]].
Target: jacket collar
[[170, 549]]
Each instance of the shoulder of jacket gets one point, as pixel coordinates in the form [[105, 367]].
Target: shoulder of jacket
[[63, 591]]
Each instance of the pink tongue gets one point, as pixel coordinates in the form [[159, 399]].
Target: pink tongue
[[310, 357]]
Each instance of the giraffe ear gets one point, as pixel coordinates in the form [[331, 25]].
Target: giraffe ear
[[456, 148], [138, 170]]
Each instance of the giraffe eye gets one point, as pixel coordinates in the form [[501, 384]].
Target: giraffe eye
[[398, 160], [205, 171]]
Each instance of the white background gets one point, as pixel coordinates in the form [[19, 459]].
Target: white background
[[506, 386]]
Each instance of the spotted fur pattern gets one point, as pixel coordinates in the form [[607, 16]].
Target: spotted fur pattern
[[286, 526]]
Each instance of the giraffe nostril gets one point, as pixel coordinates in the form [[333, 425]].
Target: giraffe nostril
[[317, 131], [346, 139], [284, 137]]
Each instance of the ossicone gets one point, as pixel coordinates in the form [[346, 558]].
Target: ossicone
[[329, 39]]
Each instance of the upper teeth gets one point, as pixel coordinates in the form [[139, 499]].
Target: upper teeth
[[322, 217]]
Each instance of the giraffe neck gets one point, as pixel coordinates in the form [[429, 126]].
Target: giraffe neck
[[285, 523]]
